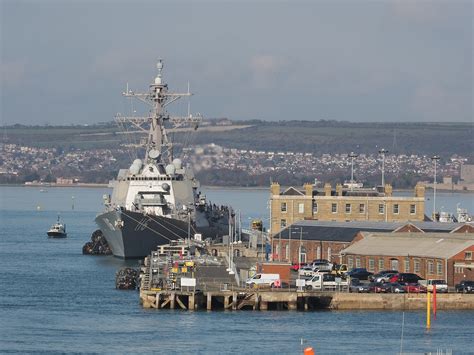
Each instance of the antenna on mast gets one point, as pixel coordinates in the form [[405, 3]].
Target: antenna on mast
[[189, 102]]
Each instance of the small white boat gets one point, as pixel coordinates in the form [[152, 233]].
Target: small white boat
[[57, 230]]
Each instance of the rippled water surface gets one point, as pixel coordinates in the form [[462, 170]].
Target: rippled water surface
[[54, 299]]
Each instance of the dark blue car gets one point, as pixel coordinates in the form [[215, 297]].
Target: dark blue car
[[360, 273]]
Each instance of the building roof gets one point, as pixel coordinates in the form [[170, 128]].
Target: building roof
[[431, 245], [346, 231], [291, 191]]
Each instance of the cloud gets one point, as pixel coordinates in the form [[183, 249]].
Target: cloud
[[264, 70], [419, 11], [13, 74], [436, 103]]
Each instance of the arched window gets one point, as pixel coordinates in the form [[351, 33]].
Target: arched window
[[302, 254], [394, 264], [329, 253], [318, 253]]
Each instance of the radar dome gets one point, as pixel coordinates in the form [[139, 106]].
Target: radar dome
[[135, 167], [165, 186], [170, 169], [177, 163]]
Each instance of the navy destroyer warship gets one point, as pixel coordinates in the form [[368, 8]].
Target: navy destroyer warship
[[157, 200]]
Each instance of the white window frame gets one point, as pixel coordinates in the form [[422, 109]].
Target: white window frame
[[371, 264], [283, 207], [350, 208], [381, 264], [413, 208], [361, 207], [416, 266], [300, 207], [407, 265], [381, 208], [350, 262], [439, 268], [431, 269], [334, 210], [396, 208]]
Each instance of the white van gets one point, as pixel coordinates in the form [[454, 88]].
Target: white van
[[264, 279], [322, 281], [441, 285]]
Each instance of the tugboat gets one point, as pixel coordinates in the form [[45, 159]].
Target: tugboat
[[156, 201], [57, 230]]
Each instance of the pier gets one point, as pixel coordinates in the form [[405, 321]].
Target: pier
[[205, 284], [293, 300], [234, 300]]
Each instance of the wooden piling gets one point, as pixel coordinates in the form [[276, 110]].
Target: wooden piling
[[209, 301], [292, 306], [172, 299], [191, 302]]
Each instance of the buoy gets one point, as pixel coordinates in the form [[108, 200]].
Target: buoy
[[308, 351]]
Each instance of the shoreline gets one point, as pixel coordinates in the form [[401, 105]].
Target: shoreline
[[209, 187]]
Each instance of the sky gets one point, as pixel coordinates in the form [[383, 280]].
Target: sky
[[67, 62]]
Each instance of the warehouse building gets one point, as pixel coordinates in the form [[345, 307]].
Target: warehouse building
[[447, 256]]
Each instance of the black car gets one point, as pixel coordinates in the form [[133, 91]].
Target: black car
[[393, 287], [465, 287], [359, 287], [359, 273]]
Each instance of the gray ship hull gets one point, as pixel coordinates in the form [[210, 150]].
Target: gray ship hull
[[133, 235]]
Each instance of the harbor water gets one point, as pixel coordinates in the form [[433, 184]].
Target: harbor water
[[54, 299]]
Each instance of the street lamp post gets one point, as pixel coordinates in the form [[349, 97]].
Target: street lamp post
[[435, 159], [382, 152], [352, 155]]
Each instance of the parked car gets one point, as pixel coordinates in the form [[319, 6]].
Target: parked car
[[414, 288], [377, 287], [322, 265], [393, 287], [465, 286], [310, 271], [297, 266], [257, 280], [357, 286], [359, 273], [441, 285], [405, 278], [382, 275], [324, 282]]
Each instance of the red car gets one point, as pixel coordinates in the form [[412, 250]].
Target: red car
[[414, 288], [296, 267]]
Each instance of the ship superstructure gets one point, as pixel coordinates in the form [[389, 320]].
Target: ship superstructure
[[156, 200]]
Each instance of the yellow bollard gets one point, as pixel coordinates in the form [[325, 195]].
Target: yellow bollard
[[428, 311]]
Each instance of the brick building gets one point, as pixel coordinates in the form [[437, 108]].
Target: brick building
[[447, 256], [343, 204], [326, 240]]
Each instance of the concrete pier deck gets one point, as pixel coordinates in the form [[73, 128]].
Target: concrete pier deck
[[295, 300]]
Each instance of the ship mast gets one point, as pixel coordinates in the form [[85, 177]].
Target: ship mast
[[158, 146]]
